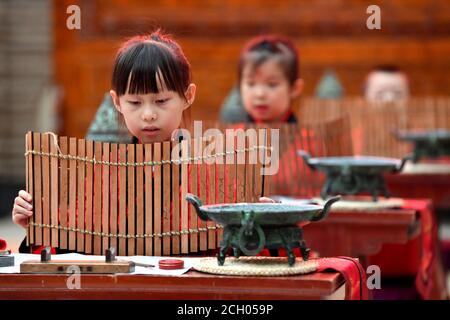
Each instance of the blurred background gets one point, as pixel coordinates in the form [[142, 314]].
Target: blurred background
[[53, 78]]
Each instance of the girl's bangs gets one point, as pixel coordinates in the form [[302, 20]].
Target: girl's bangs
[[150, 70], [146, 71]]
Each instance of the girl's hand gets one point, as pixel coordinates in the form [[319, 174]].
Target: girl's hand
[[267, 200], [22, 209]]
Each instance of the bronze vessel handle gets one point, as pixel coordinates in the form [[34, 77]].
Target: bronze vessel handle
[[197, 203], [326, 208], [306, 156], [399, 168]]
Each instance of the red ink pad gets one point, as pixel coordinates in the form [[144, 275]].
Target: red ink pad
[[171, 264]]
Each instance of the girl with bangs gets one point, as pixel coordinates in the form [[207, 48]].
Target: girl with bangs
[[151, 89], [268, 82]]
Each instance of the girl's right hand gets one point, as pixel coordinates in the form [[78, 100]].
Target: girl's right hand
[[22, 209], [267, 200]]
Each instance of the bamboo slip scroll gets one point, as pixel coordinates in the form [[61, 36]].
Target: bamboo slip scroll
[[89, 196]]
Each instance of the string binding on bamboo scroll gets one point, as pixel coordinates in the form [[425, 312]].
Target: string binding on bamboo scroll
[[88, 196]]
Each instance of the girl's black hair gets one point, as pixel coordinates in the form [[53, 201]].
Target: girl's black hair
[[144, 61], [260, 49]]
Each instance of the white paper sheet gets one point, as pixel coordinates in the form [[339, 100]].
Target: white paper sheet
[[188, 262], [291, 200]]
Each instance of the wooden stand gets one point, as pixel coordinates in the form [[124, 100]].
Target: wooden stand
[[45, 265]]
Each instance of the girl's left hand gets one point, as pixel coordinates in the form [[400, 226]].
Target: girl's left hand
[[269, 200]]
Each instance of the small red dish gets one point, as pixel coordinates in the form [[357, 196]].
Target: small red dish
[[171, 264]]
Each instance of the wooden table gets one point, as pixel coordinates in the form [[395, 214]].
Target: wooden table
[[192, 285], [360, 234], [432, 186]]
